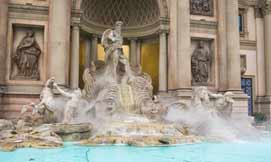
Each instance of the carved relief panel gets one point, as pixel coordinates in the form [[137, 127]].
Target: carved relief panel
[[202, 7], [202, 59], [26, 54]]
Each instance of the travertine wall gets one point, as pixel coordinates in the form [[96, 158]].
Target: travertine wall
[[54, 21]]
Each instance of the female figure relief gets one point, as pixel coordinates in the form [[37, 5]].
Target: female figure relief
[[27, 57]]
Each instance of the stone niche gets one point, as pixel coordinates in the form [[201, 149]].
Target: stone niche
[[203, 62], [27, 52], [202, 7]]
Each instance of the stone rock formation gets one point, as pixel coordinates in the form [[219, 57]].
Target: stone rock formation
[[43, 136]]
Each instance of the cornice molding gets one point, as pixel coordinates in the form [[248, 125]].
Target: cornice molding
[[203, 24], [25, 8], [28, 12], [247, 3], [248, 45]]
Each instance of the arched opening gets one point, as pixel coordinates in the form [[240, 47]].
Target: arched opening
[[133, 13], [142, 21]]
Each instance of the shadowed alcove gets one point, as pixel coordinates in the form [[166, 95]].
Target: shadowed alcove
[[142, 21]]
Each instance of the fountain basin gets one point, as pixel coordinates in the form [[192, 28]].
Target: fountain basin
[[205, 152]]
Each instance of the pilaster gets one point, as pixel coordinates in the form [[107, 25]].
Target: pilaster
[[222, 41], [163, 62], [133, 52], [94, 47], [87, 43], [179, 55], [74, 76], [233, 46], [240, 107], [59, 40], [3, 39]]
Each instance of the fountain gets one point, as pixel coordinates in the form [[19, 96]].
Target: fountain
[[117, 106]]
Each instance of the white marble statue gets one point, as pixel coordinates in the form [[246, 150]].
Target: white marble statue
[[224, 105], [73, 104], [217, 103], [46, 96]]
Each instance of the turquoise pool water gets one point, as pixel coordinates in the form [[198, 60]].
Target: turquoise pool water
[[203, 152]]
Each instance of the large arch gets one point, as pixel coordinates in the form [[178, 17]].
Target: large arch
[[163, 6], [141, 17], [144, 21]]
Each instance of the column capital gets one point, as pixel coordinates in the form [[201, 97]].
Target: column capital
[[75, 27], [163, 31], [263, 8], [132, 39], [94, 36]]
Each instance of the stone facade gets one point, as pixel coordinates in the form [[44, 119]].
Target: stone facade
[[68, 34]]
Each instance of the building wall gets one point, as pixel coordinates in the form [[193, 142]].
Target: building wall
[[34, 14]]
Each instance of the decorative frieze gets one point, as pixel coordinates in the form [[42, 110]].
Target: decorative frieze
[[202, 7]]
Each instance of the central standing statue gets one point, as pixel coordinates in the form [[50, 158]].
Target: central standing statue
[[114, 58]]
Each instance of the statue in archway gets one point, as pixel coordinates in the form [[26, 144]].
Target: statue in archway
[[201, 62], [27, 57], [115, 60]]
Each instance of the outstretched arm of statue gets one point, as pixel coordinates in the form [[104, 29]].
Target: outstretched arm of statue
[[62, 92], [215, 95]]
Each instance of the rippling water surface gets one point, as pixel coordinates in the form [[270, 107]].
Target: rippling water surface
[[254, 151]]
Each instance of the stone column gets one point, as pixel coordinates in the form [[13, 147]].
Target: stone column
[[260, 55], [172, 54], [59, 39], [74, 76], [163, 62], [264, 103], [3, 39], [133, 52], [179, 55], [184, 45], [222, 48], [94, 47], [240, 106], [87, 42], [233, 46], [138, 52], [267, 46]]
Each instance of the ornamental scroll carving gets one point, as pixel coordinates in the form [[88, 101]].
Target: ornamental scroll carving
[[202, 7], [26, 58]]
